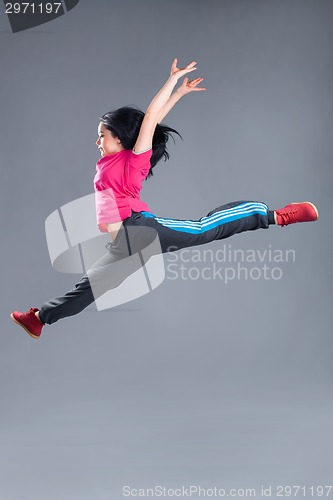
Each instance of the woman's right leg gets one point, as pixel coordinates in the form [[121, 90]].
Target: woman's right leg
[[124, 257], [107, 273], [69, 304], [73, 301]]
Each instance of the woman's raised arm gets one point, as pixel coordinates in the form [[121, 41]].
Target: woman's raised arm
[[185, 88], [157, 105]]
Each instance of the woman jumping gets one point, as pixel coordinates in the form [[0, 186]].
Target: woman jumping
[[130, 144]]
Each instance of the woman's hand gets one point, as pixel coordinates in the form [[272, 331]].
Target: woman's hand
[[190, 86], [179, 72]]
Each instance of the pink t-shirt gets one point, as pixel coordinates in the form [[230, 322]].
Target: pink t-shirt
[[118, 183]]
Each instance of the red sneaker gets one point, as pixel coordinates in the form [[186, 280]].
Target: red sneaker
[[29, 322], [296, 212]]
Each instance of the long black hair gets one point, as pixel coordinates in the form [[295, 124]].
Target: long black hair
[[125, 124]]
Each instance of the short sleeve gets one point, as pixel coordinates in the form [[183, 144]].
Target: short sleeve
[[141, 161]]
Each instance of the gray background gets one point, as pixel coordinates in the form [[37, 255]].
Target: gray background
[[198, 382]]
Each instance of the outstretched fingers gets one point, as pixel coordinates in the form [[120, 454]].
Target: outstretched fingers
[[191, 65], [193, 84], [179, 72]]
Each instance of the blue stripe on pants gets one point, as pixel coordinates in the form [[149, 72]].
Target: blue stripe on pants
[[212, 221]]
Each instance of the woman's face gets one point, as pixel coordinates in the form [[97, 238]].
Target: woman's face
[[106, 143]]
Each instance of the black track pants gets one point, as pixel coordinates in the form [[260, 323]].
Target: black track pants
[[141, 231]]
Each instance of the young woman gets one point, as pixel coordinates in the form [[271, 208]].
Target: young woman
[[130, 144]]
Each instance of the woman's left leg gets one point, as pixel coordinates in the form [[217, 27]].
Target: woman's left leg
[[225, 221], [222, 222]]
